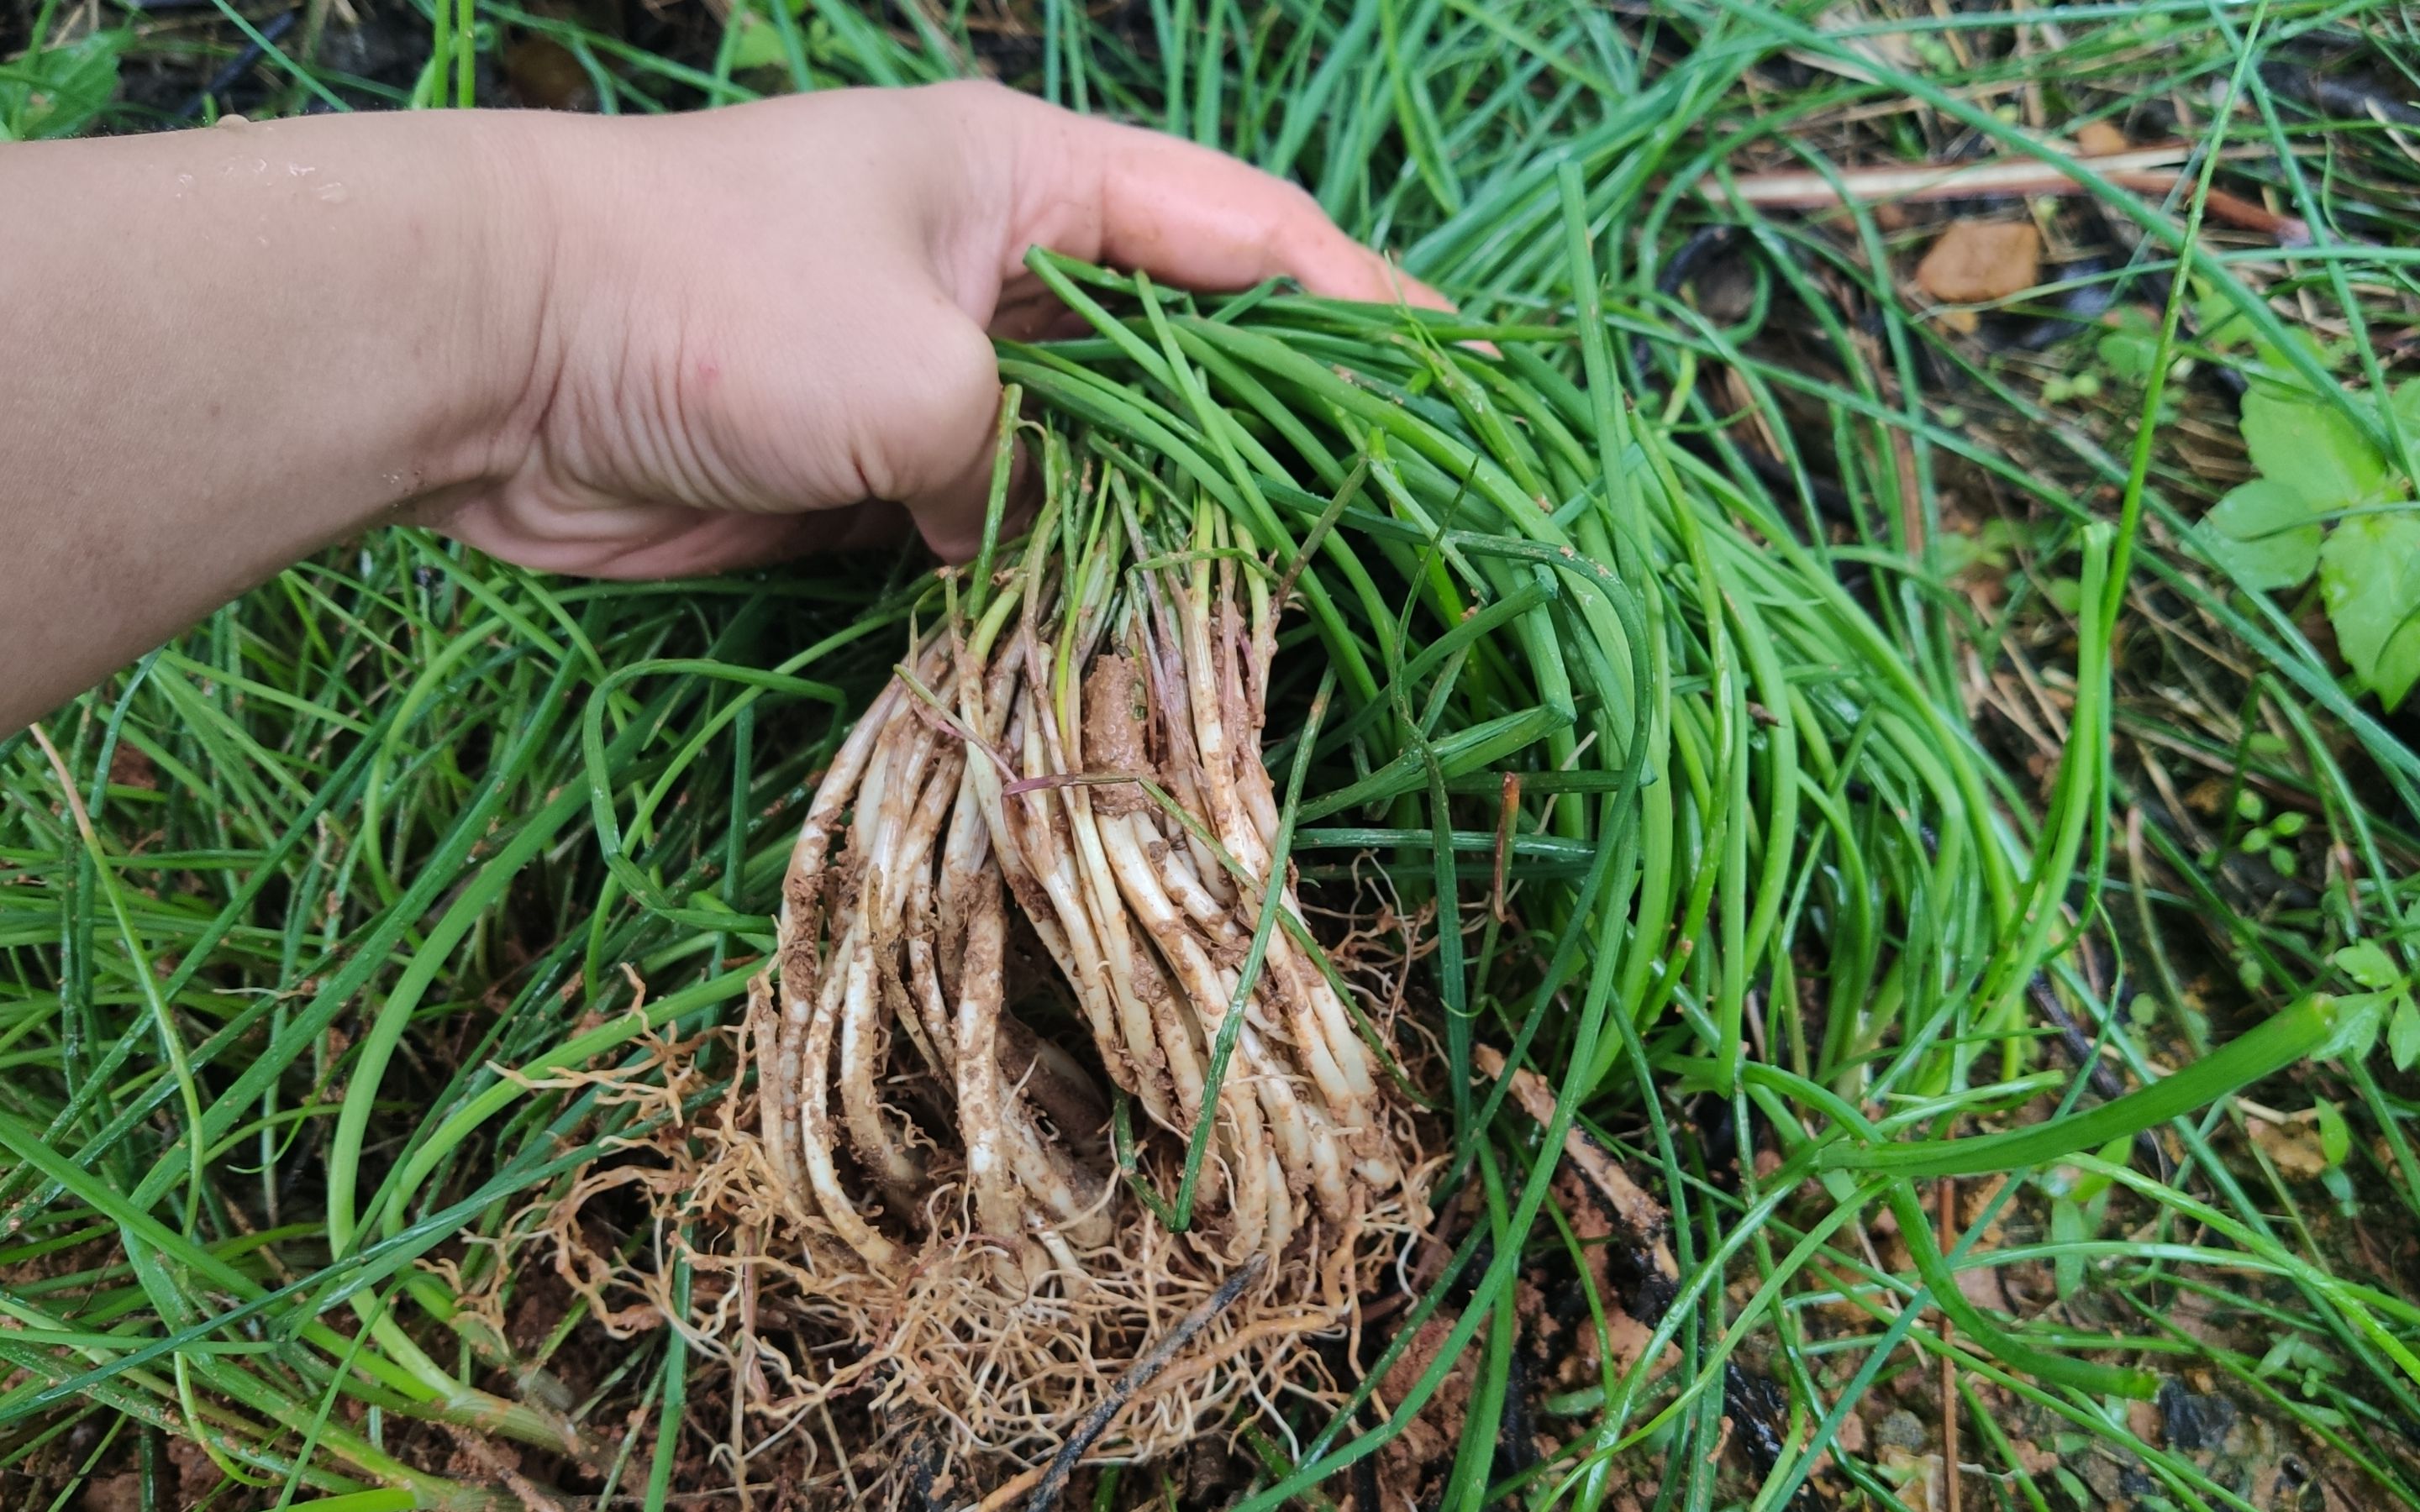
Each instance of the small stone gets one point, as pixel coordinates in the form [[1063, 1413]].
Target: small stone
[[1902, 1430], [1975, 261], [2105, 1476], [1852, 1438], [2295, 1148], [2142, 1421], [2191, 1421]]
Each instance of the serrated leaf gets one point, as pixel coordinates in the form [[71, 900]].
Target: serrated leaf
[[2368, 963], [2311, 447], [2403, 1033], [2336, 1135], [2262, 535], [2370, 581]]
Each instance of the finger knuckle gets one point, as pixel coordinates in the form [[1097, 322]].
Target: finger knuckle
[[940, 400]]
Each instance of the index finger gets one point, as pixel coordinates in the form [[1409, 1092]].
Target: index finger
[[1185, 214]]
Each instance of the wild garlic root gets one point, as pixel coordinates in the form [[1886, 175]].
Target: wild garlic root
[[1025, 893]]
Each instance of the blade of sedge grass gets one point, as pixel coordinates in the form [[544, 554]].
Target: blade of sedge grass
[[1475, 1456], [2296, 1034], [669, 1420]]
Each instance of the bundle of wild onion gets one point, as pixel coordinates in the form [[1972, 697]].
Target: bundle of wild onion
[[1730, 836]]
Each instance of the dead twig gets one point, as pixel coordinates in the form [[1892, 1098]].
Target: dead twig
[[1804, 190], [2145, 171], [1139, 1375], [1640, 1213]]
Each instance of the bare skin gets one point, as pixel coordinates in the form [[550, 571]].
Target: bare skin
[[626, 347]]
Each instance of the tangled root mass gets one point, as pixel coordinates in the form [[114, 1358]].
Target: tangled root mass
[[1026, 892]]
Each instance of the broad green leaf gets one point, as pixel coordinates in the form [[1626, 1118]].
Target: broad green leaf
[[2403, 1033], [2262, 535], [2292, 1350], [386, 1501], [2336, 1135], [2221, 325], [2368, 963], [2277, 360], [2369, 577], [2311, 447], [2320, 1026], [2073, 1485], [61, 90]]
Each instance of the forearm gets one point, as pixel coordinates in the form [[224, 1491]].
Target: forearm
[[228, 348]]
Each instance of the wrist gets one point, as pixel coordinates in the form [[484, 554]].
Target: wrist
[[486, 368]]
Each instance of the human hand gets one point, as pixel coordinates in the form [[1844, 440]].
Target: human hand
[[615, 347], [763, 329]]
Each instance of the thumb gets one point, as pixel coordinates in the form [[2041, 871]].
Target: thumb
[[933, 406]]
